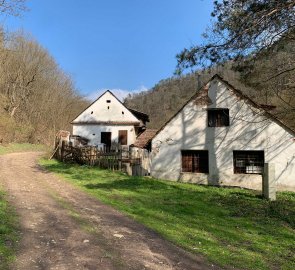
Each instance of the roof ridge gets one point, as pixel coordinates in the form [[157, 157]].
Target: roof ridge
[[237, 92]]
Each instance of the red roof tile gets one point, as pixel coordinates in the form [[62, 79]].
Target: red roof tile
[[144, 138]]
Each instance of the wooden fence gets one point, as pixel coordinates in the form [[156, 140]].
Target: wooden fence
[[112, 159]]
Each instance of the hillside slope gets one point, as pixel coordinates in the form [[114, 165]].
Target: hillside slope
[[168, 96]]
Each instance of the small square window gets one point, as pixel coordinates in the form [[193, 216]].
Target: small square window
[[218, 117], [108, 101]]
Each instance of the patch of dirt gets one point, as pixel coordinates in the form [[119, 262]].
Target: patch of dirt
[[64, 228]]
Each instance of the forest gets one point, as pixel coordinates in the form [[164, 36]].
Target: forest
[[37, 98]]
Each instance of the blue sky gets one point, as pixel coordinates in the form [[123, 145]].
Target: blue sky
[[115, 44]]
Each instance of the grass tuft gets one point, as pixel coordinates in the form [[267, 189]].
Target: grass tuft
[[8, 233], [231, 227]]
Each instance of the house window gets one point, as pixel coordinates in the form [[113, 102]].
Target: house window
[[123, 137], [218, 117], [108, 101], [248, 162], [195, 161]]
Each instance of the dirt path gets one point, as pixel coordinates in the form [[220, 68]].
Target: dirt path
[[64, 228]]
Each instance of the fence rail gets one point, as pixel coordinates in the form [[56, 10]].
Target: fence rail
[[112, 159]]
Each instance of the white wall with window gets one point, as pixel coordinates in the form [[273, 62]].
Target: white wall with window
[[94, 133], [106, 119], [237, 136]]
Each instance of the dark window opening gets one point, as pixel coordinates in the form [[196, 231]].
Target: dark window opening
[[248, 162], [92, 112], [106, 139], [93, 134], [108, 101], [108, 107], [149, 146], [123, 137], [218, 117], [195, 161], [122, 112]]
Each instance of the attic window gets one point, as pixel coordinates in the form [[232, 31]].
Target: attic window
[[92, 112], [122, 112], [108, 101], [218, 117]]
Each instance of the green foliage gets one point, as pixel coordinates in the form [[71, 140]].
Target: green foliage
[[241, 28], [8, 233], [258, 37], [232, 227]]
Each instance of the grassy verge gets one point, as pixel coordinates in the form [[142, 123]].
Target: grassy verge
[[232, 227], [8, 233], [21, 147]]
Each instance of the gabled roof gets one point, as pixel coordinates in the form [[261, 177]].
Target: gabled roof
[[144, 138], [101, 122], [201, 98], [265, 109], [140, 115]]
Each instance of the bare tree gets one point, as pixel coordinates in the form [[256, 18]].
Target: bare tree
[[38, 94], [12, 7]]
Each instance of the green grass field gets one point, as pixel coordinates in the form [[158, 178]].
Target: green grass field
[[21, 147], [8, 232], [231, 227]]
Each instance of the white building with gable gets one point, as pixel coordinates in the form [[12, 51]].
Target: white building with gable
[[108, 121], [222, 137]]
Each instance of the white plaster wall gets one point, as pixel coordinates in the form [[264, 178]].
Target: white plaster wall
[[248, 130], [100, 110], [87, 131]]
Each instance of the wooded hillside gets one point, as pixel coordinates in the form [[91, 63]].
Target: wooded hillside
[[256, 40], [167, 97], [37, 98]]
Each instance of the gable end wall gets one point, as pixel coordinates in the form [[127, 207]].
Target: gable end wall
[[249, 130]]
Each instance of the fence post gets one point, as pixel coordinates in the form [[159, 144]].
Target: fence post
[[62, 152], [269, 182]]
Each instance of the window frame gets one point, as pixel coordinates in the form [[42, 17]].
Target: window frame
[[125, 142], [216, 120], [250, 161], [195, 161]]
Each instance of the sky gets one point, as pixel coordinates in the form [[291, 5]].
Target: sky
[[121, 45]]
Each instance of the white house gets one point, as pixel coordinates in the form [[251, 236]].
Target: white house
[[222, 137], [107, 120]]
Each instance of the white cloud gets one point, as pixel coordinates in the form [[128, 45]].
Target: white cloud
[[119, 93]]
